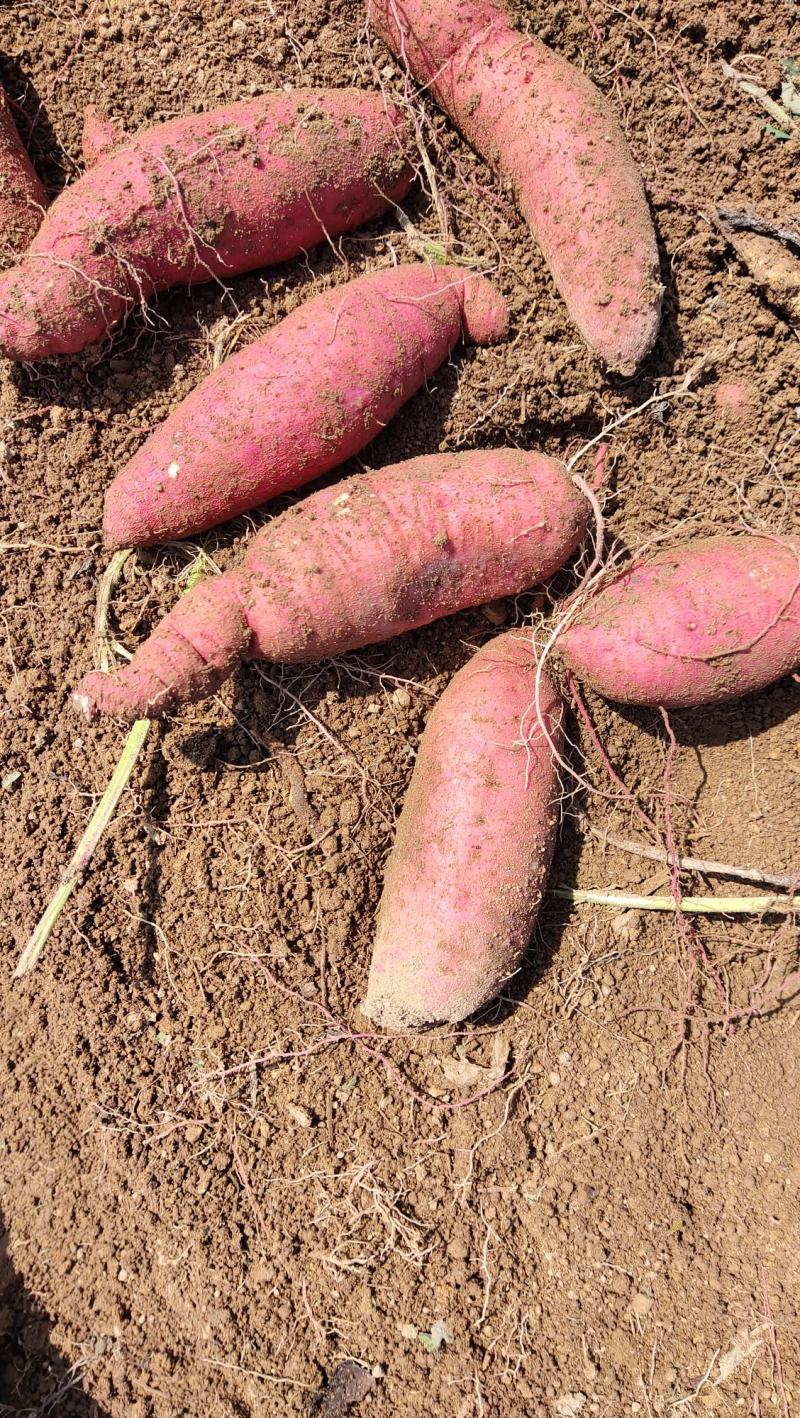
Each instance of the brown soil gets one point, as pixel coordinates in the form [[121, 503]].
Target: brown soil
[[211, 1191]]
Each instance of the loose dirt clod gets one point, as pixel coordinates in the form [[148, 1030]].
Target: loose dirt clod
[[348, 1384]]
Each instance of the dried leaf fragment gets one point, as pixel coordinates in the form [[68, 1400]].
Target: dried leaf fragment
[[463, 1073], [438, 1335]]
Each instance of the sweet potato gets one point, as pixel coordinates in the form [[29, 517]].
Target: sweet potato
[[292, 405], [201, 198], [355, 563], [22, 197], [473, 846], [101, 135], [545, 128], [696, 624]]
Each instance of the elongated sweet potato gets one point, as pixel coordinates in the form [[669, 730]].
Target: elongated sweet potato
[[473, 846], [197, 199], [356, 563], [543, 126], [692, 625], [292, 405], [22, 197]]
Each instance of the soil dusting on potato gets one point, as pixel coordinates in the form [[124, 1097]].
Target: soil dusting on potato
[[212, 1194]]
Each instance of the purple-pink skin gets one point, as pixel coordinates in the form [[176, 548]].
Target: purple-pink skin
[[293, 405], [473, 846], [22, 197], [359, 562], [101, 135], [201, 198], [692, 625], [544, 127]]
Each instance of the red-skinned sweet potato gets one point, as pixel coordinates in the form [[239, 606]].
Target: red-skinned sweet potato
[[473, 846], [197, 199], [294, 404], [544, 127], [691, 625], [355, 563], [22, 197]]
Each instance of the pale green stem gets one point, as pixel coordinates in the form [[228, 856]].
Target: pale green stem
[[134, 743], [692, 905], [84, 851]]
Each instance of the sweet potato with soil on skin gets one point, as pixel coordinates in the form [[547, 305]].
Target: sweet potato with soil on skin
[[696, 624], [473, 846], [544, 127], [201, 198], [355, 563], [22, 197], [101, 135], [291, 406]]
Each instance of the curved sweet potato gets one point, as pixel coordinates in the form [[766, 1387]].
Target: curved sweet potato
[[473, 846], [291, 406], [22, 197], [543, 126], [356, 563], [197, 199], [692, 625]]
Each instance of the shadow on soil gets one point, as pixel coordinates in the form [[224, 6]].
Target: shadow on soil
[[720, 724], [35, 1379], [33, 124]]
